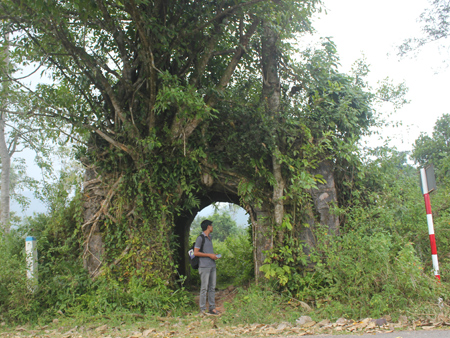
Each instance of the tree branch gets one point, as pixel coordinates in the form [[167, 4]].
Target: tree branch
[[148, 61], [228, 11], [115, 143], [120, 38], [204, 60], [177, 128], [240, 51], [224, 52], [53, 62]]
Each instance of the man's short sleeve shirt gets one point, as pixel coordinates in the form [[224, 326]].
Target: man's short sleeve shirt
[[205, 262]]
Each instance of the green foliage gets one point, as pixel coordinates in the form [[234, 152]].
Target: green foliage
[[236, 266], [364, 273], [19, 181], [224, 225], [381, 261], [15, 296], [370, 273], [332, 101], [172, 94], [436, 149], [284, 263], [64, 285], [108, 296], [61, 276], [246, 307]]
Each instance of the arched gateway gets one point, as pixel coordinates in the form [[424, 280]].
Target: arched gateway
[[222, 189]]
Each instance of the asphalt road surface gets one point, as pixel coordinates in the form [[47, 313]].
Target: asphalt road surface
[[397, 334]]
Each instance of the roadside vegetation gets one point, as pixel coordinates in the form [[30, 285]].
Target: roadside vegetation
[[379, 264]]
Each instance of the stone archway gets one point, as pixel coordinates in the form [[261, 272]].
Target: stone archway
[[221, 189]]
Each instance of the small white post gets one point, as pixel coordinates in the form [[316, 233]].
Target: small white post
[[32, 264]]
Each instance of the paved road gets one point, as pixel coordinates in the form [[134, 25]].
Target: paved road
[[410, 334], [438, 333]]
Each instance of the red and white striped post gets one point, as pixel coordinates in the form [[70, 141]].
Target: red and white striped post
[[426, 197]]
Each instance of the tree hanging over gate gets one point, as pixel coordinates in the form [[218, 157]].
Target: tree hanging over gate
[[181, 99]]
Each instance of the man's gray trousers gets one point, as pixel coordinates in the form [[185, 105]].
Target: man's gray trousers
[[208, 285]]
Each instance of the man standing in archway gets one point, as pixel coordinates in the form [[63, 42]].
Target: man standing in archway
[[207, 268]]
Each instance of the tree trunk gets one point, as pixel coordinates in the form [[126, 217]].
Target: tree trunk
[[94, 245], [271, 95], [325, 196], [262, 236], [5, 177], [266, 218], [278, 195], [5, 156]]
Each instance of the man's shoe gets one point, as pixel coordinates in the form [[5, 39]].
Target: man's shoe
[[214, 312]]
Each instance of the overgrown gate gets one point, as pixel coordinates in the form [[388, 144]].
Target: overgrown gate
[[223, 189]]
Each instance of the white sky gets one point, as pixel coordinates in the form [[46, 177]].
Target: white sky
[[374, 29]]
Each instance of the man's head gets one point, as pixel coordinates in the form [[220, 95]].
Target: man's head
[[205, 224]]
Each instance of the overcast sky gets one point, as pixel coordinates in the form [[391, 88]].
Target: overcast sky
[[375, 29]]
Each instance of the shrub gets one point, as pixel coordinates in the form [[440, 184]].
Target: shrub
[[16, 297], [60, 274], [381, 261], [108, 296], [64, 285], [365, 272], [236, 265], [246, 307]]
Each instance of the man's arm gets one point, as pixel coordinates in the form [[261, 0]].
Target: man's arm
[[198, 253]]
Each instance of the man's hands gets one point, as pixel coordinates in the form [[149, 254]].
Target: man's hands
[[202, 254], [213, 256]]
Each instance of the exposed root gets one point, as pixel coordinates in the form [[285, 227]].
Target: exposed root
[[93, 221]]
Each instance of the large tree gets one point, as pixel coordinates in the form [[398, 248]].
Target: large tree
[[16, 130], [190, 100], [21, 127]]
